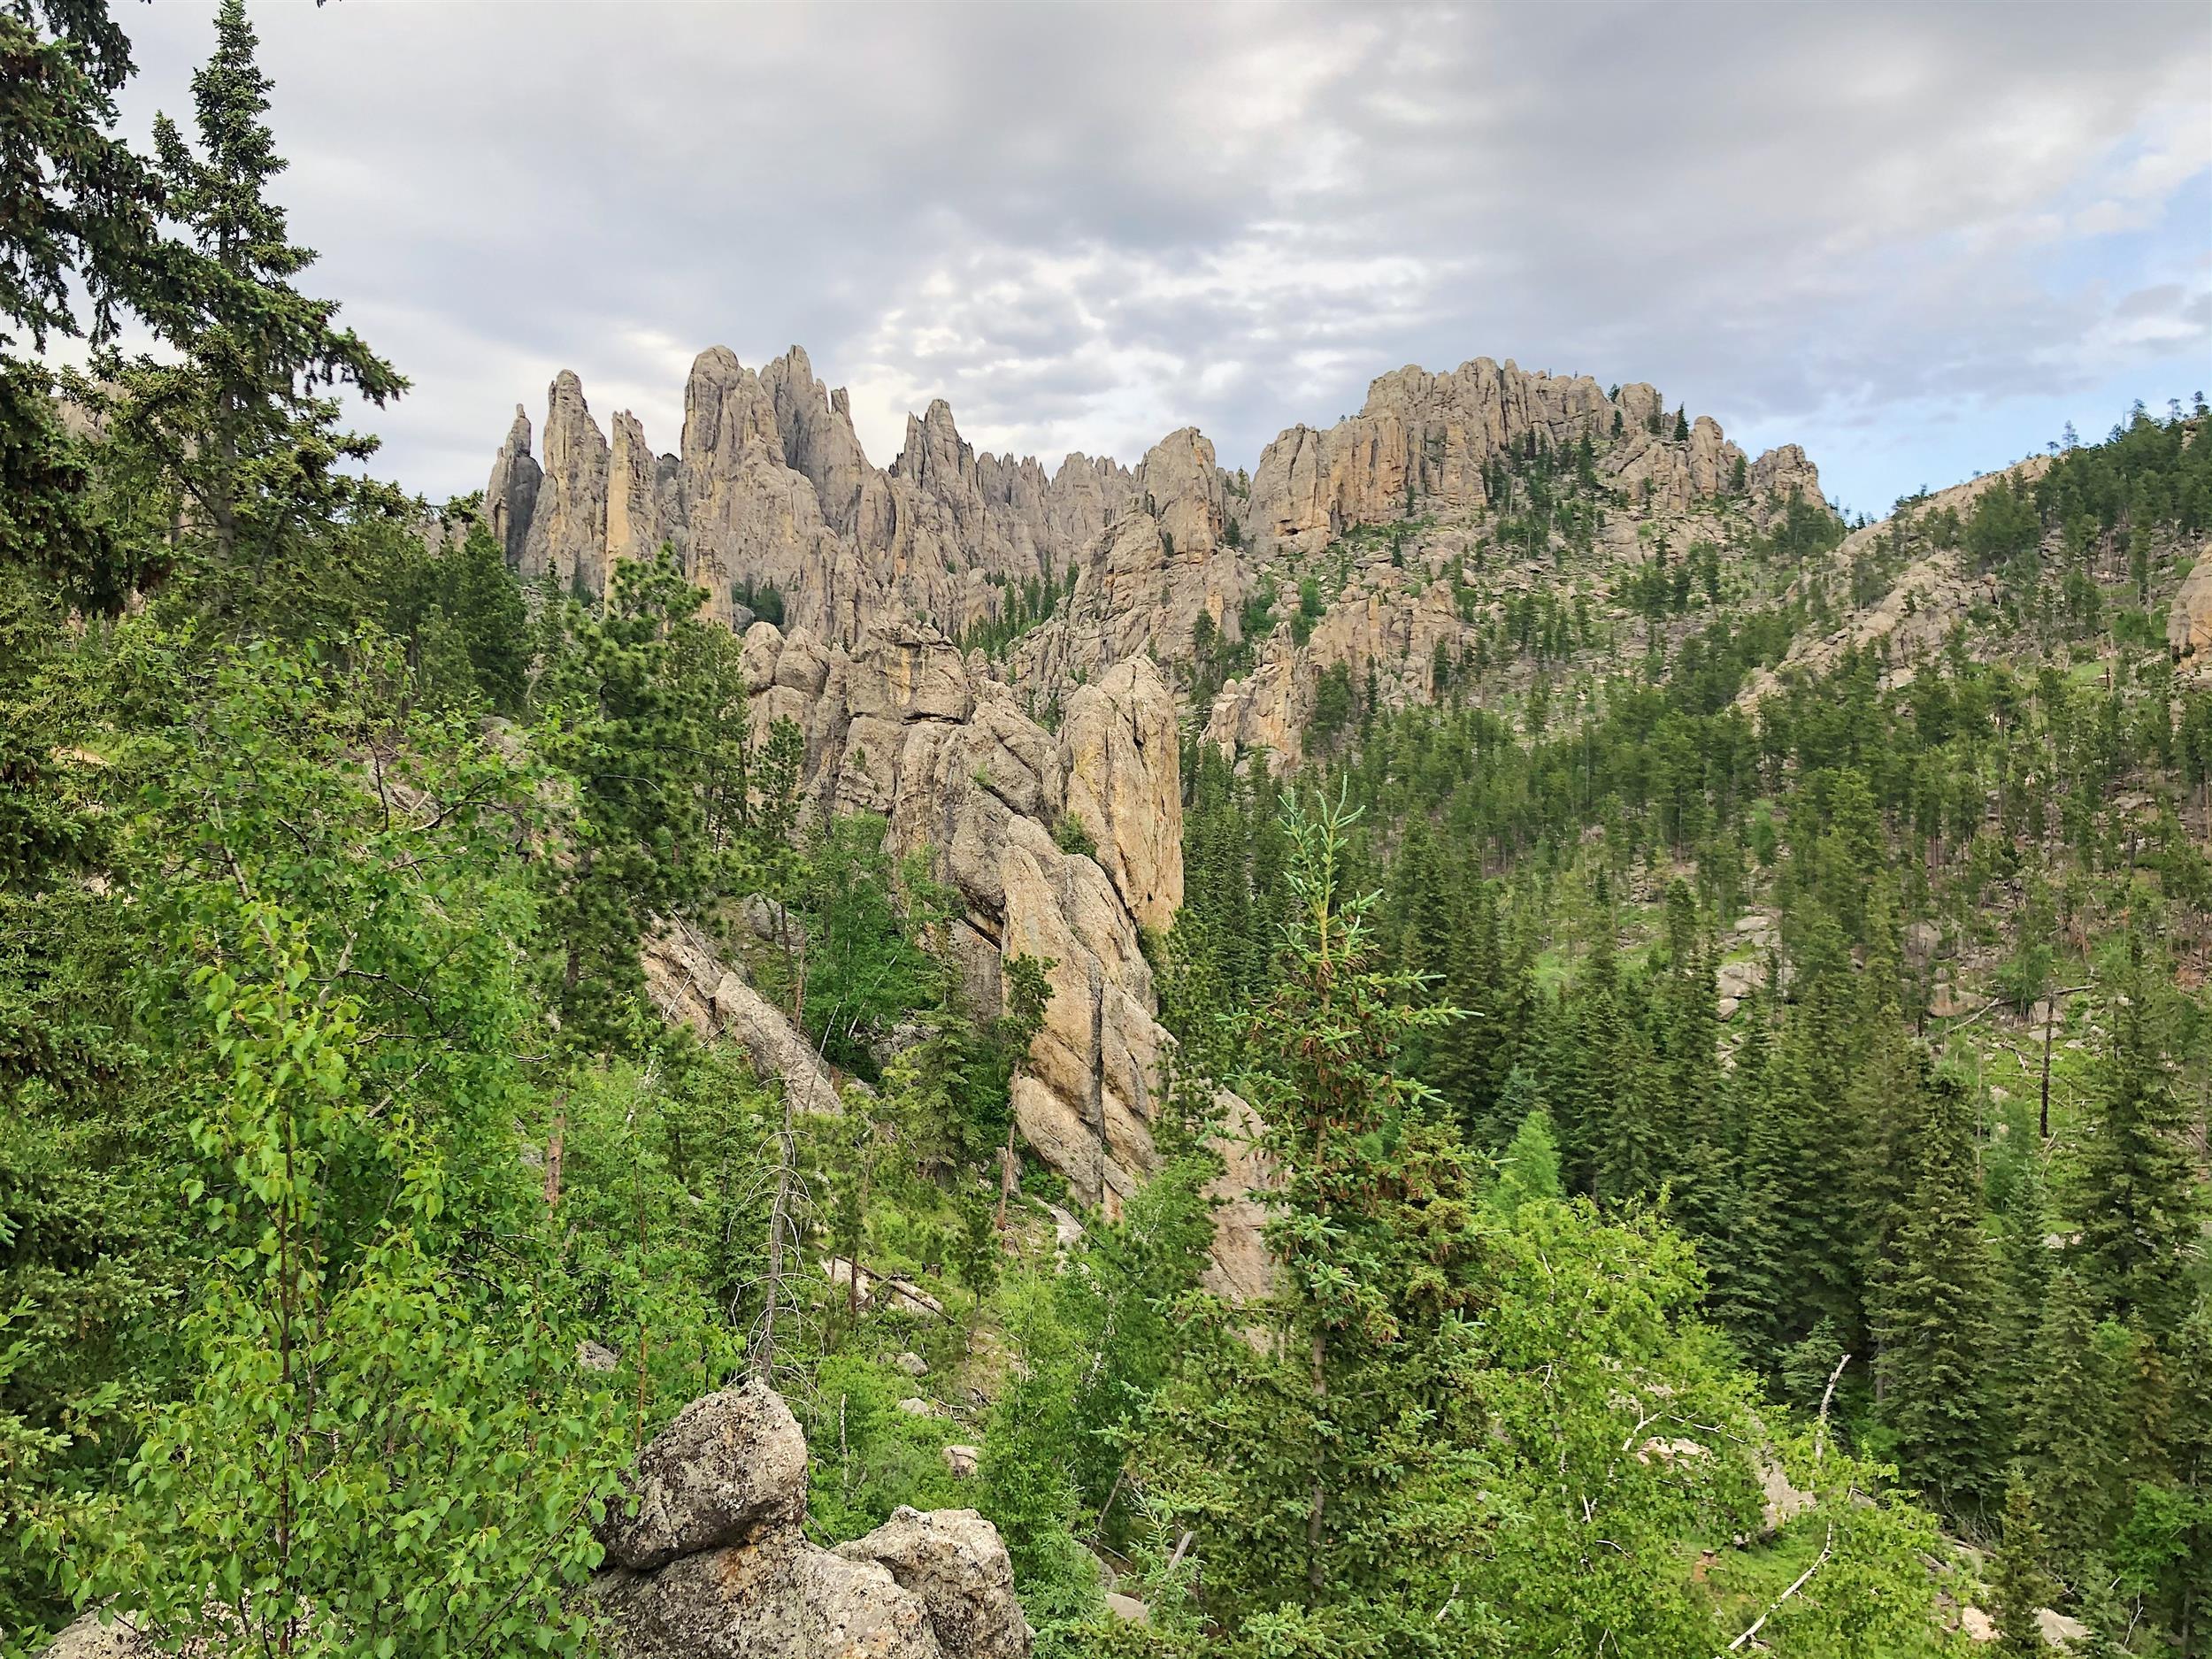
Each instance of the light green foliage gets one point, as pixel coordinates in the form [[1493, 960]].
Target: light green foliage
[[1528, 1169]]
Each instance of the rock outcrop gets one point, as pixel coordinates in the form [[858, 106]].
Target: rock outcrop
[[952, 1561], [2189, 624], [692, 985], [565, 536], [901, 725], [1161, 573], [708, 1558], [1914, 617], [1425, 440], [904, 725]]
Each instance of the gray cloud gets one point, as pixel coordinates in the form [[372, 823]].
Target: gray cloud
[[1085, 226]]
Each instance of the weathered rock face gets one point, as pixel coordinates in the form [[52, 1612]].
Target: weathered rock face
[[1379, 627], [1419, 436], [1144, 583], [1425, 439], [566, 536], [2189, 624], [1778, 474], [732, 1466], [510, 499], [952, 1561], [1666, 474], [903, 726], [714, 1563], [1118, 743]]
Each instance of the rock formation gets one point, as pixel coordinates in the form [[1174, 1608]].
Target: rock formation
[[904, 725], [1912, 619], [1426, 439], [708, 1558], [566, 534]]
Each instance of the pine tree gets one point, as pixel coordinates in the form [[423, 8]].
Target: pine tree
[[1931, 1309], [2139, 1203], [2069, 1434], [628, 724], [239, 427], [488, 607], [2019, 1585]]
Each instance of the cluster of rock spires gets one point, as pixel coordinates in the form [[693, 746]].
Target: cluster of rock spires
[[769, 487]]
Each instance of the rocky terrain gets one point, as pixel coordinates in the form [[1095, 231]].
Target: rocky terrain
[[1158, 598], [707, 1558]]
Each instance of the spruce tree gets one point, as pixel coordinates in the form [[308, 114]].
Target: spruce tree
[[2138, 1201], [2069, 1434], [1372, 1254], [79, 244], [2023, 1281], [1931, 1310], [2019, 1585], [241, 429], [1528, 1169]]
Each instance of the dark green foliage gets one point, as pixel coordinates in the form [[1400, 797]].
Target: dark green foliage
[[2018, 1586], [2141, 1199], [624, 720], [1931, 1309], [237, 431]]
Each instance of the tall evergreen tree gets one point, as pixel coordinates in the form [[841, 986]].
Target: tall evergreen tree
[[1931, 1310], [2139, 1203], [239, 427], [2018, 1586], [79, 244], [2070, 1431], [628, 724]]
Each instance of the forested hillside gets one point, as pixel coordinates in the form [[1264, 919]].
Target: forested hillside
[[1620, 1068]]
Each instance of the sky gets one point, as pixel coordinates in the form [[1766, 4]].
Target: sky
[[1918, 240]]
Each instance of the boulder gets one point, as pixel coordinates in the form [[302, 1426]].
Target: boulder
[[715, 1563], [89, 1638], [953, 1561], [729, 1466]]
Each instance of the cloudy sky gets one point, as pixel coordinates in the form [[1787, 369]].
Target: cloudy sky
[[1916, 240]]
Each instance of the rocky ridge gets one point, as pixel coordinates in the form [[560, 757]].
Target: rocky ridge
[[770, 489], [1917, 612], [1146, 577]]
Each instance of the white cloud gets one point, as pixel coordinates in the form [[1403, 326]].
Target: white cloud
[[1085, 227]]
